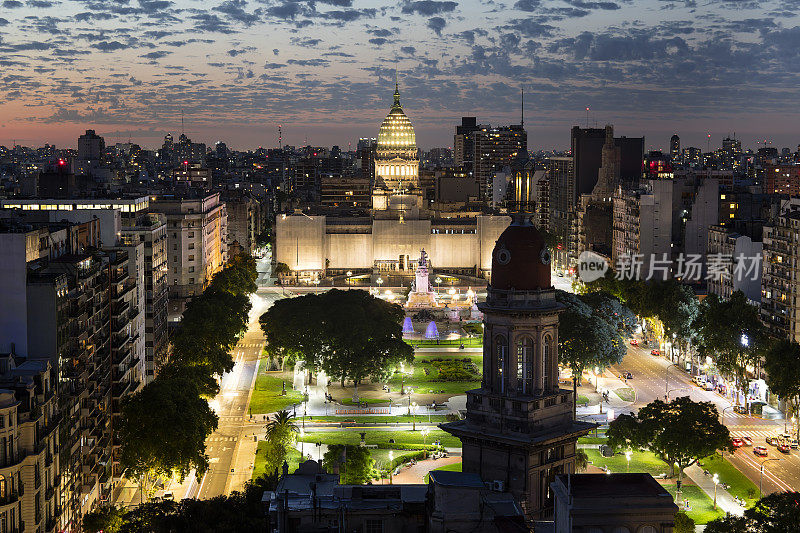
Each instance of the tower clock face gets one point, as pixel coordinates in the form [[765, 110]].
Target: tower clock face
[[503, 256], [544, 256]]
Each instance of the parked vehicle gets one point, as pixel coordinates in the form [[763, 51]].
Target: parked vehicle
[[655, 352], [761, 451], [634, 342], [708, 385]]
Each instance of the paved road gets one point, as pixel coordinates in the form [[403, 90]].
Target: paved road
[[655, 376], [231, 447]]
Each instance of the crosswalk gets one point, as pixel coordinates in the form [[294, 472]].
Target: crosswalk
[[220, 438], [755, 431]]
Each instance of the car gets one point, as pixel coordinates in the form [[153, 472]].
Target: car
[[761, 451], [773, 441], [747, 440], [708, 385], [634, 342], [784, 448], [655, 352], [737, 442], [627, 375]]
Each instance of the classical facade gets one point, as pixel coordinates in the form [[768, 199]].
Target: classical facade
[[388, 237], [520, 431]]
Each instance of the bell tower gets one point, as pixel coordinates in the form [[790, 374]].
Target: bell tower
[[519, 432]]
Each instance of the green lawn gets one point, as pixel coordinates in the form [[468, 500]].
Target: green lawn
[[626, 394], [592, 440], [267, 393], [426, 383], [741, 486], [640, 462], [382, 437], [585, 399], [702, 506], [376, 419], [293, 459], [473, 342]]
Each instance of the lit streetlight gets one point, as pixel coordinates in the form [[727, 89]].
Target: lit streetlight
[[761, 476], [424, 434], [302, 448], [413, 417], [349, 273], [715, 479], [438, 280], [628, 459], [391, 466]]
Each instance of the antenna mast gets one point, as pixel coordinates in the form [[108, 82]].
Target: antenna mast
[[522, 107], [280, 137]]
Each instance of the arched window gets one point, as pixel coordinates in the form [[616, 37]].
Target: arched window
[[647, 529], [621, 529], [546, 355], [2, 487], [501, 353], [525, 365]]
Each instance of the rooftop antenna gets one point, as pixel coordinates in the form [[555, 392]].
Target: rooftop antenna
[[280, 137], [587, 117], [182, 130], [522, 107]]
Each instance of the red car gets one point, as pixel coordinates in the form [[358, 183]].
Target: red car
[[784, 448], [655, 352], [634, 342], [760, 451], [737, 442]]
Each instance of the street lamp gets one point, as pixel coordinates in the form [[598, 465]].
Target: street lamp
[[438, 281], [349, 273], [666, 380], [391, 466], [413, 417], [761, 476], [424, 434], [628, 458], [302, 448], [596, 377], [380, 282], [715, 479]]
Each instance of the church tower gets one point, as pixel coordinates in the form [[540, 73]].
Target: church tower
[[519, 432]]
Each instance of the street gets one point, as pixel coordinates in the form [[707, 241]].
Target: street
[[654, 377]]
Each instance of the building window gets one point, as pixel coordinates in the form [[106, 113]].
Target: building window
[[191, 235], [191, 281], [191, 246], [501, 351], [524, 365], [546, 363], [191, 269], [191, 257], [373, 526]]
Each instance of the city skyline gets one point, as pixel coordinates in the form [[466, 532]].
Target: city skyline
[[325, 70]]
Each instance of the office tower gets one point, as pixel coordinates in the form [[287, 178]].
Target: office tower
[[562, 206], [494, 148], [197, 228], [675, 147], [90, 151], [464, 144]]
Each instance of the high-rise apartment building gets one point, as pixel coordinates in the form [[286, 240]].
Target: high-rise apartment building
[[150, 230], [197, 230], [464, 144], [739, 254], [780, 278], [782, 179], [642, 227], [90, 152], [675, 147], [562, 206]]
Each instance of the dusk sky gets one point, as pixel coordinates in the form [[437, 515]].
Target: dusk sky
[[325, 69]]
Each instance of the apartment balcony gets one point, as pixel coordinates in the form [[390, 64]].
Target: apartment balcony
[[11, 498]]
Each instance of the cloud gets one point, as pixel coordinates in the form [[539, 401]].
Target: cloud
[[379, 41], [309, 62], [156, 55], [273, 66], [108, 46], [408, 50], [428, 7], [527, 5], [437, 24]]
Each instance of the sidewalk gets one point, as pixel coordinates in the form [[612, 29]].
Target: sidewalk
[[724, 500]]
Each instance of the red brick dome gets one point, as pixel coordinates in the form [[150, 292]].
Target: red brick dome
[[521, 259]]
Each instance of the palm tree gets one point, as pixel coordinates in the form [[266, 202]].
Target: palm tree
[[281, 428], [581, 461]]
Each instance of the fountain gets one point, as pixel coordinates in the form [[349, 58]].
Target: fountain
[[408, 327], [431, 332]]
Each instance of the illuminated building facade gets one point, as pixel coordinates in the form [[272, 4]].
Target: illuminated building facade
[[390, 236]]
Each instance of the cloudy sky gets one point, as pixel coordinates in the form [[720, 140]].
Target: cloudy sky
[[325, 69]]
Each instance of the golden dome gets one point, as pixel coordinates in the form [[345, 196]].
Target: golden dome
[[396, 132]]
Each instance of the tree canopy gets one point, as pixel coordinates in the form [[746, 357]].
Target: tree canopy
[[350, 335], [782, 365], [164, 426], [681, 432], [732, 333], [354, 463], [776, 513]]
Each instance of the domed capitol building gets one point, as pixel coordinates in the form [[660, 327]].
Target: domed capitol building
[[389, 239]]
